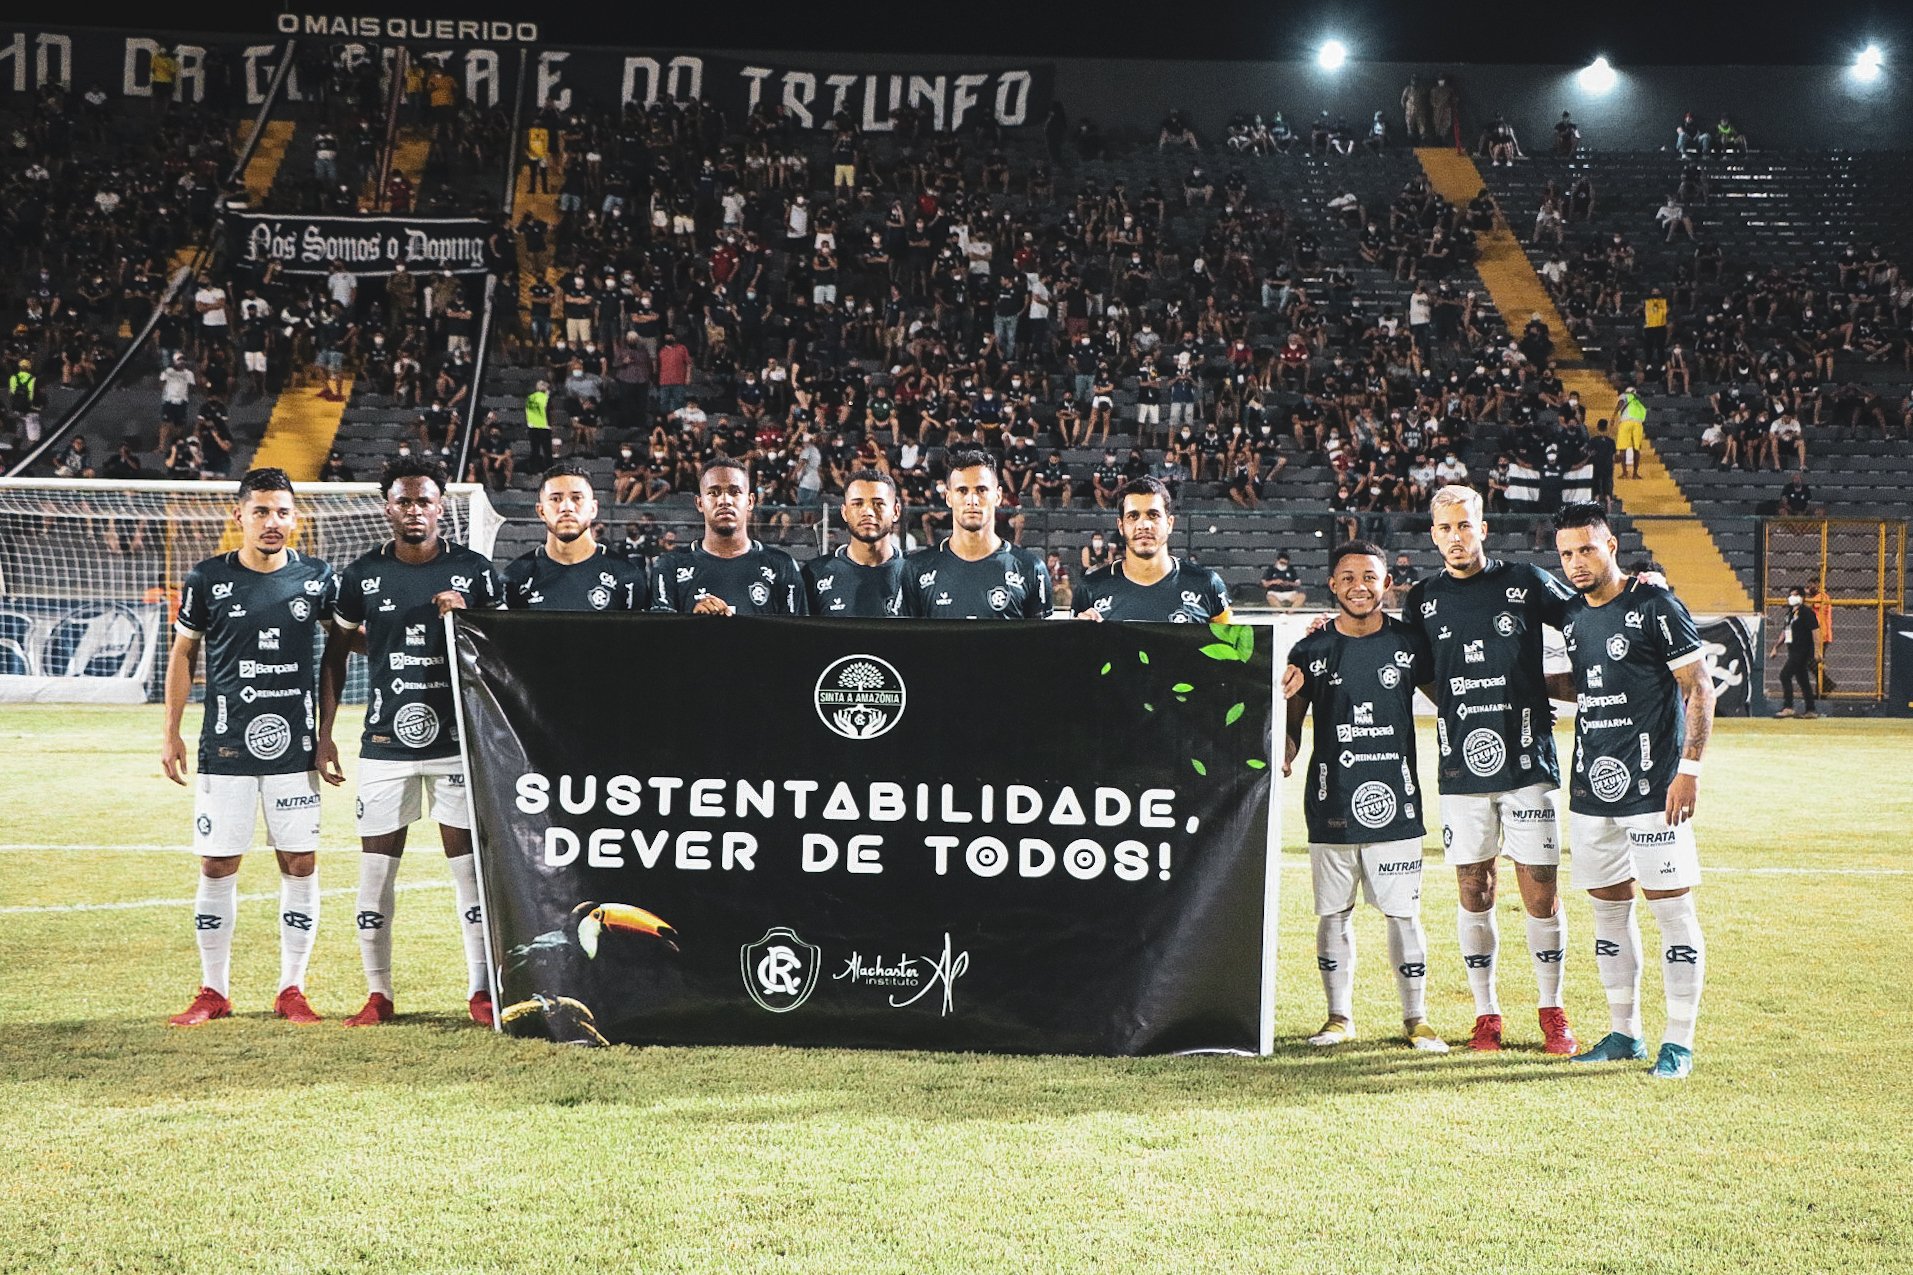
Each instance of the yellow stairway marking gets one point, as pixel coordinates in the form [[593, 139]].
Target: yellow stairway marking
[[1675, 536], [409, 153], [263, 170], [300, 431], [545, 205]]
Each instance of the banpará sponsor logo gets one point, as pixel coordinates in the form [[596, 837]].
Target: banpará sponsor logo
[[400, 660], [1462, 685], [259, 668], [1600, 701]]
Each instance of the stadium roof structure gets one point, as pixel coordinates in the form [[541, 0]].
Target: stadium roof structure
[[1629, 32]]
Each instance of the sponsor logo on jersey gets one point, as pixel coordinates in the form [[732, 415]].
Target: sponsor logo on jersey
[[1445, 634], [1595, 677], [268, 736], [780, 970], [1427, 608], [1617, 647], [259, 668], [599, 598], [1013, 578], [300, 609], [400, 660], [315, 587], [1517, 596], [269, 639], [606, 579], [1667, 634], [1317, 667], [685, 573], [416, 725], [999, 599], [1349, 758], [860, 697], [1632, 620], [1462, 685], [1373, 805], [826, 584], [415, 635], [221, 592], [303, 801], [1484, 752], [1404, 659], [462, 583], [369, 585], [760, 593], [1390, 676], [1609, 778], [1504, 624], [1475, 652]]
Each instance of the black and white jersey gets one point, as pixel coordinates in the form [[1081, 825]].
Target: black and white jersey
[[760, 581], [1361, 784], [1629, 725], [408, 712], [605, 581], [1010, 584], [262, 661], [1189, 594], [836, 585], [1495, 725]]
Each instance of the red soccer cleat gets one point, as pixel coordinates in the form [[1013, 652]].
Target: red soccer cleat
[[207, 1005], [1557, 1036], [1487, 1037], [480, 1006], [292, 1006], [378, 1010]]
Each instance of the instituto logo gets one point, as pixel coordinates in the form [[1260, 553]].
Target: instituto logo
[[860, 697]]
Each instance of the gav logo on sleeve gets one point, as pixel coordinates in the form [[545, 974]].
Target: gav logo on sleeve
[[860, 697], [780, 970]]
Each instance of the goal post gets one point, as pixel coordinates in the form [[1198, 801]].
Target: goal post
[[90, 570]]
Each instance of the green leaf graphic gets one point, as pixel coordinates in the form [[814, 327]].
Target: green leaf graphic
[[1182, 699], [1220, 651], [1234, 714], [1143, 656], [1181, 687], [1105, 671], [1200, 768], [1148, 708], [1256, 763]]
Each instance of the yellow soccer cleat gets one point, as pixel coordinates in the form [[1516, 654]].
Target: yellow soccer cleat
[[1334, 1032], [1421, 1036]]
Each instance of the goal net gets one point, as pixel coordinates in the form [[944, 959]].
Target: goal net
[[90, 571]]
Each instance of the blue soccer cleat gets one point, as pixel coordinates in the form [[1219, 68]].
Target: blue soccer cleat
[[1674, 1063], [1613, 1047]]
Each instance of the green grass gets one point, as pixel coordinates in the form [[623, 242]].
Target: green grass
[[431, 1146]]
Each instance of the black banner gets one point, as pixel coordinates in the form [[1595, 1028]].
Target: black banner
[[482, 57], [305, 245], [1732, 650], [1047, 838], [1899, 663]]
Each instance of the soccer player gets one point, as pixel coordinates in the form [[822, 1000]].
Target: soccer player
[[1358, 675], [975, 574], [1645, 710], [1482, 620], [1148, 582], [571, 571], [864, 577], [257, 609], [726, 572], [397, 595]]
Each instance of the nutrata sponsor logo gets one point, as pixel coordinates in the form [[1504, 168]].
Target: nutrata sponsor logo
[[860, 697], [780, 970]]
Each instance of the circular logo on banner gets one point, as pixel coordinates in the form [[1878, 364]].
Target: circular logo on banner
[[268, 737], [416, 725], [1391, 676], [860, 697], [1484, 752], [1373, 804], [1609, 778], [1617, 647], [300, 608]]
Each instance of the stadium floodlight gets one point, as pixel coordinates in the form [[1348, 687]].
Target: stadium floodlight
[[1331, 55], [1597, 76], [1867, 63]]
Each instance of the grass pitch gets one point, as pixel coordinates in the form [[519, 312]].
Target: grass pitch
[[250, 1145]]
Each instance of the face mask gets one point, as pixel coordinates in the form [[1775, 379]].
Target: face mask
[[1793, 599]]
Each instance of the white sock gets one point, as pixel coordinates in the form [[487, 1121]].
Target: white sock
[[471, 923], [1684, 964], [1480, 941], [378, 897], [1408, 952], [1617, 954], [298, 925], [1548, 945], [1335, 957], [215, 907]]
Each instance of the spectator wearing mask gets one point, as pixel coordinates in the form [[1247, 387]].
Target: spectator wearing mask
[[1796, 634]]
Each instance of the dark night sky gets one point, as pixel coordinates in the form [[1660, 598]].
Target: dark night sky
[[1708, 32]]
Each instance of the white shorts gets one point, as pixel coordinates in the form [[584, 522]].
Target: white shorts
[[255, 360], [1477, 827], [392, 794], [1149, 413], [225, 808], [1611, 849], [1389, 873]]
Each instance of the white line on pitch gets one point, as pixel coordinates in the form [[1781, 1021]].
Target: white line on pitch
[[180, 903]]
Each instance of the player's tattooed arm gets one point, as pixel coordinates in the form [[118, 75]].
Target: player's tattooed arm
[[1697, 691]]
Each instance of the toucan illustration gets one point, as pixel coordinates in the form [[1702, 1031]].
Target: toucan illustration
[[598, 948]]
